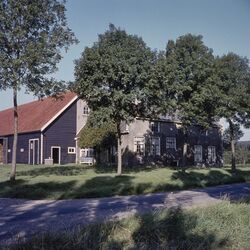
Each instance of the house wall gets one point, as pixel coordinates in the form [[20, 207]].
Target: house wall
[[81, 120], [62, 133], [22, 147], [196, 136]]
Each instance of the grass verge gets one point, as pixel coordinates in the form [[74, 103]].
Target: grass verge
[[222, 226], [70, 182]]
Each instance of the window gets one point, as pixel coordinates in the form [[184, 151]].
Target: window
[[155, 147], [139, 145], [155, 127], [87, 152], [85, 110], [211, 154], [197, 153], [71, 150], [171, 142]]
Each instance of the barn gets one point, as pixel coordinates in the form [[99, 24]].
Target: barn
[[47, 130]]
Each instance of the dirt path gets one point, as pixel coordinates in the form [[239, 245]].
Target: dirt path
[[22, 218]]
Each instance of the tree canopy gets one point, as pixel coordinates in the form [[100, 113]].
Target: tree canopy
[[234, 90], [190, 75], [111, 76], [187, 79]]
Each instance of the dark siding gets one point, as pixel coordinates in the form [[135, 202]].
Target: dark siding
[[62, 133], [22, 143], [196, 136]]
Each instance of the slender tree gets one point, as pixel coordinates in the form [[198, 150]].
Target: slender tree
[[189, 80], [234, 103], [32, 34], [111, 76]]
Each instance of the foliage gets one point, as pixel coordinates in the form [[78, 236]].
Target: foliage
[[237, 134], [190, 78], [111, 76], [220, 226], [32, 34], [97, 135], [242, 155], [187, 80], [234, 90]]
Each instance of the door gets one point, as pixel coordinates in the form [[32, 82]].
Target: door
[[56, 155], [34, 151]]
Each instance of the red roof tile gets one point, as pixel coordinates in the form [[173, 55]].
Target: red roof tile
[[34, 115]]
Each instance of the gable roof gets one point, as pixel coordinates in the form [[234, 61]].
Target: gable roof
[[35, 116]]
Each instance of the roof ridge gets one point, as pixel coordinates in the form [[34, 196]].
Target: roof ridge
[[39, 100]]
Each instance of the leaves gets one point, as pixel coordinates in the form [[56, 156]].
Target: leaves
[[32, 34], [97, 134], [189, 80], [113, 73]]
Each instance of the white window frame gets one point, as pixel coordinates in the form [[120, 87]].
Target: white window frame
[[198, 153], [153, 125], [152, 146], [170, 142], [38, 154], [85, 110], [139, 141], [87, 152], [71, 150], [211, 154]]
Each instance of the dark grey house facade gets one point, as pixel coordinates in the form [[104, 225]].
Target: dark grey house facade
[[161, 142]]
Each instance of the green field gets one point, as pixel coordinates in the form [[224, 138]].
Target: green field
[[69, 182], [222, 226]]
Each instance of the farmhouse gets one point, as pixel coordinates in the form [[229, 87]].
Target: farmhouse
[[49, 130]]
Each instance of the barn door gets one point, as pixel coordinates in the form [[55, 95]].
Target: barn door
[[34, 151]]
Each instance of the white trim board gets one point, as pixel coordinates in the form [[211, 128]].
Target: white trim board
[[59, 113], [38, 156]]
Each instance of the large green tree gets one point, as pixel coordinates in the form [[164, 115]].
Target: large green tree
[[111, 76], [188, 79], [32, 34], [234, 103]]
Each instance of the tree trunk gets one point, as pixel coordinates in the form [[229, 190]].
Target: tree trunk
[[184, 152], [119, 150], [14, 149], [232, 140], [184, 156]]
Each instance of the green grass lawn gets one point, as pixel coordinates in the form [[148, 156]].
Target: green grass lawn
[[222, 226], [69, 182]]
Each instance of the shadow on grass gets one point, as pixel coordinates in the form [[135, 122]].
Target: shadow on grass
[[172, 229], [102, 186], [55, 170], [110, 185], [213, 177], [100, 169], [41, 190]]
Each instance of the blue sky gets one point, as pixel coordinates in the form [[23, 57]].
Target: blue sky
[[224, 25]]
